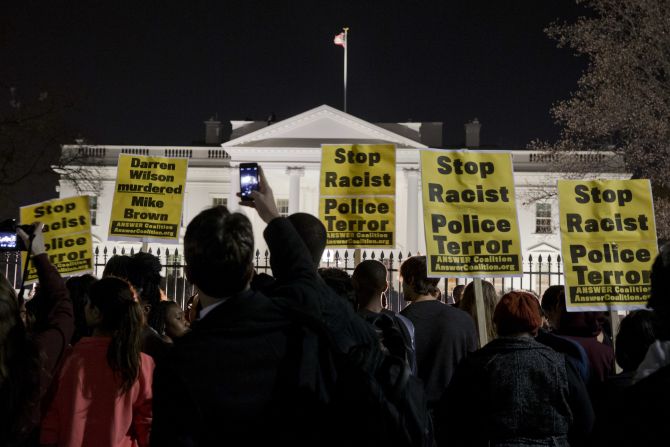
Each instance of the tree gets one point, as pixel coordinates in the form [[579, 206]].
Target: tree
[[27, 130], [622, 102], [32, 129]]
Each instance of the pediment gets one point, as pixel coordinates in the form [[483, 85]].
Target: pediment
[[543, 247], [323, 124]]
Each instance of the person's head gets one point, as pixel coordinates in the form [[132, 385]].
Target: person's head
[[340, 282], [168, 319], [19, 366], [112, 311], [312, 232], [219, 249], [79, 287], [117, 266], [415, 280], [145, 276], [660, 285], [579, 324], [468, 304], [517, 313], [11, 325], [553, 304], [10, 315], [457, 293], [369, 281], [636, 333]]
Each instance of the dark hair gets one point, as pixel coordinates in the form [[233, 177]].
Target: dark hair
[[660, 284], [414, 272], [145, 276], [517, 312], [340, 282], [369, 281], [122, 317], [312, 232], [118, 266], [636, 334], [552, 298], [580, 324], [158, 314], [79, 287], [457, 292], [219, 249], [19, 368]]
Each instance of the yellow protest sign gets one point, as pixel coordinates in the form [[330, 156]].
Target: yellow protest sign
[[363, 221], [148, 198], [357, 195], [608, 240], [67, 234], [470, 216]]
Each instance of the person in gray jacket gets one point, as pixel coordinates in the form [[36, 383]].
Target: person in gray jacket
[[515, 391]]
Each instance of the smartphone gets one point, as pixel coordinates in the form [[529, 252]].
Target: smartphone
[[248, 179], [8, 241]]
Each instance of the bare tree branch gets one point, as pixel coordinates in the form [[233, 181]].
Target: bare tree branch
[[80, 165], [622, 101]]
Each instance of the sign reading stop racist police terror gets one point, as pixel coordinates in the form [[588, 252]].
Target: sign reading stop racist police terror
[[357, 195], [608, 240], [470, 215], [148, 198], [67, 234]]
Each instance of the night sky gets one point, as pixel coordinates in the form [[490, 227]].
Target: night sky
[[150, 72]]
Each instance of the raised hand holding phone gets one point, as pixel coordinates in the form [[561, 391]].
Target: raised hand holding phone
[[249, 180], [262, 199]]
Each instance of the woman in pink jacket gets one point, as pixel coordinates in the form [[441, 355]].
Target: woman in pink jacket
[[103, 395]]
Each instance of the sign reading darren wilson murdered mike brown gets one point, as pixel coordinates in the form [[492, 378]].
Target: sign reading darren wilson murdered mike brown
[[357, 195], [470, 215], [67, 234], [608, 240], [148, 198]]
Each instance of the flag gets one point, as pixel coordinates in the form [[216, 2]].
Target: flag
[[341, 40]]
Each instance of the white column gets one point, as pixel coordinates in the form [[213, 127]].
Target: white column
[[233, 200], [412, 201], [294, 172]]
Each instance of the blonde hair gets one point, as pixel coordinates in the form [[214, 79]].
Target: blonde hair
[[467, 304]]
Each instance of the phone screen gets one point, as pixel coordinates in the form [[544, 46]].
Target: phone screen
[[248, 179], [7, 240]]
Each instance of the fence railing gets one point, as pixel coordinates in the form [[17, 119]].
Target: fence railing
[[539, 272]]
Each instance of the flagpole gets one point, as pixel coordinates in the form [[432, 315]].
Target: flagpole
[[346, 45]]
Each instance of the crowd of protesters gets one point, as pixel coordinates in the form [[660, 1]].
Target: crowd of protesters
[[113, 362]]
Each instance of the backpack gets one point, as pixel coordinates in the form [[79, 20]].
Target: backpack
[[371, 396], [396, 335]]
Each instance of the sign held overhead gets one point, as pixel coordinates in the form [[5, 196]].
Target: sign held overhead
[[608, 240], [148, 198], [470, 215], [357, 195]]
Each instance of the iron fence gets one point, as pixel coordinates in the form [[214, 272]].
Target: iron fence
[[538, 272]]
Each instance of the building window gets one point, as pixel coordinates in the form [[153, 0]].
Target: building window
[[282, 207], [543, 218], [220, 201], [93, 207]]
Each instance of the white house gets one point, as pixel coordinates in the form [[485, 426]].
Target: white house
[[290, 152]]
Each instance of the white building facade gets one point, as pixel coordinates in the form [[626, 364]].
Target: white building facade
[[290, 153]]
